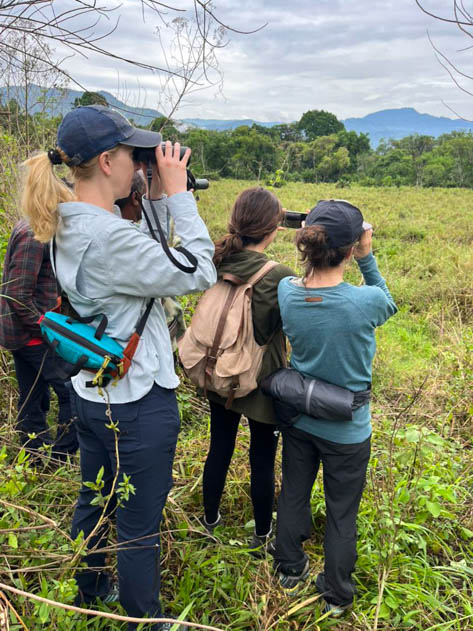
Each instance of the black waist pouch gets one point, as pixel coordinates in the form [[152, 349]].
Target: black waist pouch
[[294, 394]]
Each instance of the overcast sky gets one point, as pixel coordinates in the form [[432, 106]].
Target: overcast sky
[[350, 57]]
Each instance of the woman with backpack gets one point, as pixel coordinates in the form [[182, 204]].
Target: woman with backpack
[[330, 325], [253, 225], [127, 432]]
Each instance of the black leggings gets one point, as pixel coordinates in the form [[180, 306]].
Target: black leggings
[[263, 444]]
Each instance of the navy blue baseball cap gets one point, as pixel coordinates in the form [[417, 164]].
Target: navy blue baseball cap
[[87, 131], [342, 221]]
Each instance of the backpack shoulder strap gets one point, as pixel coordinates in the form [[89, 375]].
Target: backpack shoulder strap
[[267, 267], [231, 278], [211, 358]]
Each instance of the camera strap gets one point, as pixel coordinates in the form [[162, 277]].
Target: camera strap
[[188, 269]]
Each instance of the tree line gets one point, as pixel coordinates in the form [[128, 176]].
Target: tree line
[[317, 148], [285, 153]]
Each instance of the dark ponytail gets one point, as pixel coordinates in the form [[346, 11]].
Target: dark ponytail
[[256, 213], [229, 244], [311, 242]]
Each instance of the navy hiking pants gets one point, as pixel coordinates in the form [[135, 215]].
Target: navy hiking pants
[[146, 443], [36, 371]]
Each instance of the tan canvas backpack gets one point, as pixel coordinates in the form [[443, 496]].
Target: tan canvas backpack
[[219, 351]]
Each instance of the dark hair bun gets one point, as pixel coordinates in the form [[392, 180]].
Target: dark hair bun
[[311, 241], [311, 237]]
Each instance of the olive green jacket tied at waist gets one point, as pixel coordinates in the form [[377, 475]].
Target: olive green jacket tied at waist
[[267, 326]]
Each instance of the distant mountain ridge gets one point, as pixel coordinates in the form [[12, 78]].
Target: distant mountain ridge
[[399, 123], [54, 102], [389, 123]]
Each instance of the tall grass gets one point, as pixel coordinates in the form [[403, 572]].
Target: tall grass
[[415, 566]]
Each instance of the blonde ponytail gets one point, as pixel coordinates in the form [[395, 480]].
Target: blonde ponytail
[[42, 192]]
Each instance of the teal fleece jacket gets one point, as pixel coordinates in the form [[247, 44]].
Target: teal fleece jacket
[[332, 334]]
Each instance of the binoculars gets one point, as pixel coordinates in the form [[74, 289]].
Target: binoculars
[[293, 219], [148, 156]]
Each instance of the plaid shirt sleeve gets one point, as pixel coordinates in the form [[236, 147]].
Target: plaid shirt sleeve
[[29, 287]]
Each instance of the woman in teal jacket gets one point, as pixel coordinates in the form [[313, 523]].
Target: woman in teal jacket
[[330, 325]]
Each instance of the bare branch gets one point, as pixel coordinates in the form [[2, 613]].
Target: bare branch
[[438, 17], [460, 24], [204, 6], [463, 20], [447, 61], [456, 113], [78, 24], [190, 38]]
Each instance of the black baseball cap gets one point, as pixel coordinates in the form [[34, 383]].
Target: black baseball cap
[[342, 221], [88, 130]]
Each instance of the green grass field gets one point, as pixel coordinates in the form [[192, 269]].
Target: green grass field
[[415, 566]]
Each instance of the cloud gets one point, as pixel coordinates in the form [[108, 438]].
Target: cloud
[[346, 57]]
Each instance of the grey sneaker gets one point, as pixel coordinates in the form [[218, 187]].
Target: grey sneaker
[[113, 595], [211, 527], [335, 611], [167, 626], [292, 582], [261, 546]]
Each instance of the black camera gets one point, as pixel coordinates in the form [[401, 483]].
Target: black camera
[[148, 156], [293, 219]]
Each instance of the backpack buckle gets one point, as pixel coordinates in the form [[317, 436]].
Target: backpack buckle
[[211, 360]]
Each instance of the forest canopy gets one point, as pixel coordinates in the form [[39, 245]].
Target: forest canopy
[[315, 149]]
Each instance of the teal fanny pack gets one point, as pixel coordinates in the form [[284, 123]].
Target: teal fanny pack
[[83, 346], [86, 347]]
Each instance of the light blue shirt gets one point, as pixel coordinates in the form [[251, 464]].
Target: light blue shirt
[[110, 266], [332, 335]]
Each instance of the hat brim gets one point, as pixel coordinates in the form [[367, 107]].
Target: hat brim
[[143, 138]]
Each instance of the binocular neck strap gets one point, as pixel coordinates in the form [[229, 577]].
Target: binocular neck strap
[[188, 269]]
